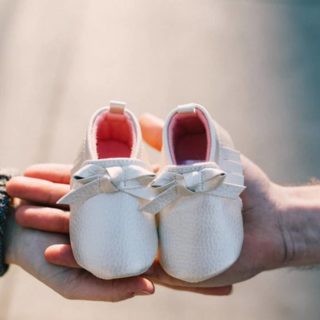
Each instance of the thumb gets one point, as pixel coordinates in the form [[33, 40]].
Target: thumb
[[151, 127]]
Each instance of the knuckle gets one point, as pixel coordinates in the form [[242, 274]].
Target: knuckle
[[51, 194], [20, 214], [65, 223]]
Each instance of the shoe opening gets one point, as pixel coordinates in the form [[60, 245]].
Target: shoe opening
[[189, 137], [114, 134]]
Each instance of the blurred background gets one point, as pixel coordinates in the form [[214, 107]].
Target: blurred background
[[254, 64]]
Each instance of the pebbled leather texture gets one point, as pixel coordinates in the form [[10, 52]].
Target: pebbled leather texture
[[201, 232], [111, 236], [200, 236]]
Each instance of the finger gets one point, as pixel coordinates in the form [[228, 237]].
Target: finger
[[43, 218], [218, 291], [156, 168], [86, 286], [152, 130], [62, 255], [158, 275], [36, 190], [58, 173]]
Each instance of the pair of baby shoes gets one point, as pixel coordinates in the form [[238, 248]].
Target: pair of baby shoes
[[115, 197]]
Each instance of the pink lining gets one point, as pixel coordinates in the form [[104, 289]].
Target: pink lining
[[189, 137], [114, 135]]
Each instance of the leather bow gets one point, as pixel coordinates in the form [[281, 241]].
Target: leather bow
[[170, 185], [94, 179]]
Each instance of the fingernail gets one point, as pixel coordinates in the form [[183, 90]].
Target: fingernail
[[146, 289]]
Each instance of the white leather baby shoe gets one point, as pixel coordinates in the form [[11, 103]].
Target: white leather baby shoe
[[201, 229], [110, 236]]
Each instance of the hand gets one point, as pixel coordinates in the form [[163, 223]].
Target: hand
[[41, 187], [263, 246], [41, 236], [281, 224]]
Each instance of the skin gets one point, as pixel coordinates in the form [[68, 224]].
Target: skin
[[281, 224], [43, 225], [37, 240], [281, 227]]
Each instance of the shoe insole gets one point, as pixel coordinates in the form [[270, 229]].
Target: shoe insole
[[113, 149], [114, 136], [188, 138], [191, 148]]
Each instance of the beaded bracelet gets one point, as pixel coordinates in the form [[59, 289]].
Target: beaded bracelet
[[5, 202]]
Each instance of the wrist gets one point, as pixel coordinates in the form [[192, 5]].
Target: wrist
[[274, 253], [300, 226]]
